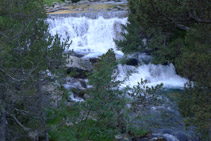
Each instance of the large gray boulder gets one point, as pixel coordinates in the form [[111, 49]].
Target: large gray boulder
[[77, 67]]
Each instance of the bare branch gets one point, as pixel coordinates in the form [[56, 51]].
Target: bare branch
[[4, 35], [10, 76], [21, 111], [18, 122], [194, 16], [178, 25]]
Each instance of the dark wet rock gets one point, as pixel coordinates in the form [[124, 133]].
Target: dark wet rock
[[56, 5], [93, 60], [79, 93], [132, 62], [83, 84]]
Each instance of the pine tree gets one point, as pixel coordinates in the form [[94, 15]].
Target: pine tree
[[194, 62], [176, 32], [27, 51], [163, 25], [108, 108]]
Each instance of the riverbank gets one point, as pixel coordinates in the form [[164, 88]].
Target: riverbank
[[86, 7]]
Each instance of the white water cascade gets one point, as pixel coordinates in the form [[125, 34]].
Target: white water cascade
[[93, 37]]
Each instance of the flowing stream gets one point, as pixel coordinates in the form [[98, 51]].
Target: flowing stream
[[93, 35]]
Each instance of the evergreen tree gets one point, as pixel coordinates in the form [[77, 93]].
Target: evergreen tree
[[176, 32], [27, 51], [163, 25], [107, 110], [194, 62]]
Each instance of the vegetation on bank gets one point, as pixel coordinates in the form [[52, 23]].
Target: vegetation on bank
[[50, 2], [31, 60], [107, 110], [27, 54], [177, 32], [173, 32]]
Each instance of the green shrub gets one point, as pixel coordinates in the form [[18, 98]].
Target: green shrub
[[50, 2]]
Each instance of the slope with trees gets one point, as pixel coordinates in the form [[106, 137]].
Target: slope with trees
[[178, 32], [27, 51], [107, 110]]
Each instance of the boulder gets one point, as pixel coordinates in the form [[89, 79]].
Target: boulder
[[77, 67], [73, 83], [75, 62], [56, 5]]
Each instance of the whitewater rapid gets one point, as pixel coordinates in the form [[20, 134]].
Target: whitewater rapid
[[93, 37]]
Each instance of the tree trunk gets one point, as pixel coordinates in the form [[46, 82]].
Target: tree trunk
[[3, 125], [46, 136]]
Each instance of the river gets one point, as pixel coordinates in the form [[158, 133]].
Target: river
[[92, 35]]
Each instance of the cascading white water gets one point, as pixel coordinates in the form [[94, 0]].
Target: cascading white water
[[154, 74], [93, 37]]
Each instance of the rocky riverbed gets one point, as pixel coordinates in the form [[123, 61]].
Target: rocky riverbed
[[85, 6]]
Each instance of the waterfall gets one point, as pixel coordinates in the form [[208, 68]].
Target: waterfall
[[92, 37], [154, 74]]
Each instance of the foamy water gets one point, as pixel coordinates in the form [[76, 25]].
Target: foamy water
[[93, 37]]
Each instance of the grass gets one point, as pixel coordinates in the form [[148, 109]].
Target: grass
[[50, 2]]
